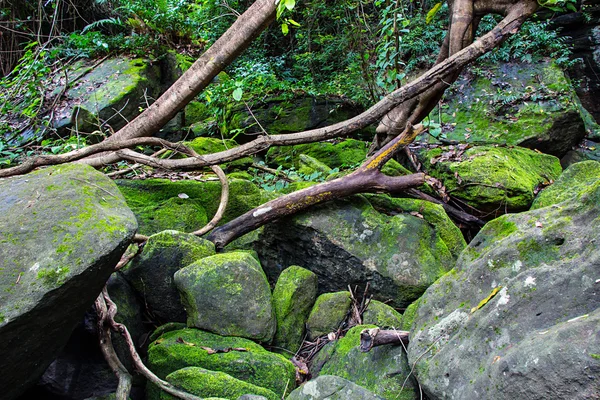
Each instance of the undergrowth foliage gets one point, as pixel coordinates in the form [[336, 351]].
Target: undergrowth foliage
[[358, 50]]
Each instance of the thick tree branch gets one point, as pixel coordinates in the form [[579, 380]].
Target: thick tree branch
[[370, 338]]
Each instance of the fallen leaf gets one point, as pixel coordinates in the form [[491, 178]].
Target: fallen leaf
[[538, 224], [180, 340], [183, 196], [331, 336], [485, 301]]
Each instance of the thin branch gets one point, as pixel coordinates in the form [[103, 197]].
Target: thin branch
[[222, 202]]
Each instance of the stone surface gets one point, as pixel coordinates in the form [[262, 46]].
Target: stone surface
[[492, 179], [572, 183], [382, 315], [228, 294], [110, 93], [205, 383], [328, 387], [185, 205], [383, 370], [328, 313], [151, 272], [518, 317], [293, 298], [178, 349], [348, 242], [527, 104], [63, 231]]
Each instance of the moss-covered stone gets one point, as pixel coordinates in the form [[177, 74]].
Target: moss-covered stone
[[146, 197], [493, 179], [310, 165], [350, 243], [293, 298], [574, 181], [168, 327], [179, 349], [151, 272], [524, 284], [63, 230], [346, 154], [228, 294], [383, 370], [381, 315], [205, 383], [328, 313], [531, 105], [118, 84], [195, 111], [409, 315]]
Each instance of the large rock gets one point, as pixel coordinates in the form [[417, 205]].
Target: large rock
[[492, 179], [178, 349], [228, 294], [293, 297], [205, 383], [151, 272], [384, 370], [381, 315], [518, 317], [328, 313], [109, 94], [530, 105], [328, 387], [348, 242], [185, 205], [63, 231]]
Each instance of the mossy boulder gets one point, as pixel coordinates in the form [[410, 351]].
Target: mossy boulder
[[521, 304], [280, 115], [327, 387], [345, 154], [151, 272], [205, 383], [179, 349], [64, 229], [384, 370], [328, 313], [160, 204], [492, 179], [205, 145], [530, 105], [381, 315], [348, 242], [118, 83], [228, 294], [572, 183], [409, 314], [293, 298]]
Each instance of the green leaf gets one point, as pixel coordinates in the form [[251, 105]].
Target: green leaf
[[290, 4], [431, 14], [285, 28], [237, 94], [291, 21]]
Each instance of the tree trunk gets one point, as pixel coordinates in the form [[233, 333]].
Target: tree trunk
[[225, 50]]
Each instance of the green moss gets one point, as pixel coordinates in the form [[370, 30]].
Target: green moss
[[595, 356], [576, 180], [328, 313], [346, 154], [205, 383], [146, 197], [534, 253], [492, 178], [188, 347], [409, 315], [53, 277], [381, 315]]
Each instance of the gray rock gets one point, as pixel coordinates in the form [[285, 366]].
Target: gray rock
[[328, 387], [381, 315], [64, 230], [251, 397], [329, 311], [151, 273], [293, 298], [228, 294], [348, 242], [384, 370], [519, 315]]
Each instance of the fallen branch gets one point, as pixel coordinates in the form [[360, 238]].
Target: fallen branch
[[374, 337], [367, 178]]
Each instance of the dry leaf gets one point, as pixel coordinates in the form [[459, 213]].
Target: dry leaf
[[180, 340], [331, 336], [416, 214], [538, 224]]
